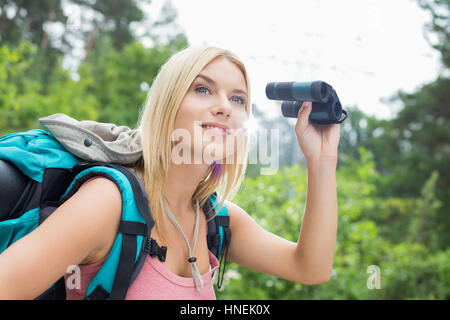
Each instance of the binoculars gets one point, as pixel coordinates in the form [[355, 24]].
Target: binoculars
[[326, 107]]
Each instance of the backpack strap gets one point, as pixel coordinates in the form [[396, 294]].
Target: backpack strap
[[134, 241], [219, 235], [127, 254]]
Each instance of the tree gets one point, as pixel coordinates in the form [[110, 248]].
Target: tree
[[405, 270], [26, 19], [122, 78], [408, 148], [439, 27], [21, 100], [109, 85], [112, 18]]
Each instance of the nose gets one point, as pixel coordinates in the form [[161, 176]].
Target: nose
[[222, 107]]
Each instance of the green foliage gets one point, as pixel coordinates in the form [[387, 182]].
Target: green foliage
[[21, 101], [120, 79], [423, 218], [109, 89], [411, 271], [29, 19], [408, 270], [111, 82], [439, 27]]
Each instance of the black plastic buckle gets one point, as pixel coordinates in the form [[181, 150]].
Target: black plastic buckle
[[153, 249]]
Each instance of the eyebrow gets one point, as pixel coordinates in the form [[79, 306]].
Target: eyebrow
[[211, 81]]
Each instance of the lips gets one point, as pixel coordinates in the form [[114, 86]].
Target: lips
[[217, 127]]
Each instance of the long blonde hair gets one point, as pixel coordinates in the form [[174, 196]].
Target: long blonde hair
[[156, 123]]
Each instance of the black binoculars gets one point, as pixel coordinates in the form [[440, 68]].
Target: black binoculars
[[326, 107]]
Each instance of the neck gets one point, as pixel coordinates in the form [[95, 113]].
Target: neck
[[180, 185]]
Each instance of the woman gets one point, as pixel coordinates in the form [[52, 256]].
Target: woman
[[206, 90]]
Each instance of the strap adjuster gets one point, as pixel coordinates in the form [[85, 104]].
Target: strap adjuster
[[153, 249]]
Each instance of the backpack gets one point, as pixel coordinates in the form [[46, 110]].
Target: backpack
[[39, 172]]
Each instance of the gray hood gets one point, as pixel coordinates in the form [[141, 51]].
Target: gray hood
[[95, 141]]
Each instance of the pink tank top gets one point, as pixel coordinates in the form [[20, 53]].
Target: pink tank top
[[154, 282]]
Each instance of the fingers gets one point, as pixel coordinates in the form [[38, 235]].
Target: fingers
[[303, 116]]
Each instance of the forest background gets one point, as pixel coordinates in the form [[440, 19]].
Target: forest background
[[392, 175]]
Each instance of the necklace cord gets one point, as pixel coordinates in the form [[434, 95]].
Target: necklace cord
[[198, 280]]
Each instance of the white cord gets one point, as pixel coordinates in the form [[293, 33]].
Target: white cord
[[195, 273]]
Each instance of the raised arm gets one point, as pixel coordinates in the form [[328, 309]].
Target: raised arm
[[310, 260], [81, 229]]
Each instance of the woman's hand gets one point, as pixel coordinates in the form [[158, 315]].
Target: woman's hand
[[317, 142]]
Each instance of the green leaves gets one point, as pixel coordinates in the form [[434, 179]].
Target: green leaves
[[110, 86], [23, 100], [373, 236]]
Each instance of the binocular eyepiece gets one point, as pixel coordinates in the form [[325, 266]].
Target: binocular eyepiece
[[326, 107]]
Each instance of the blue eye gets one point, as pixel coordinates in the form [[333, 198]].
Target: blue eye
[[202, 89], [238, 100]]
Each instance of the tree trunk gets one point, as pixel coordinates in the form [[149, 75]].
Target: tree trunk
[[45, 38]]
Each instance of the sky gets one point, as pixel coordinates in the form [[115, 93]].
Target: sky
[[367, 50]]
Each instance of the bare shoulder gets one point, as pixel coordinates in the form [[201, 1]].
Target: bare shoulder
[[236, 213], [91, 217], [81, 230], [98, 193], [241, 223], [105, 201], [100, 181]]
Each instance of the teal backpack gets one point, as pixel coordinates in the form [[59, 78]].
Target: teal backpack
[[37, 174]]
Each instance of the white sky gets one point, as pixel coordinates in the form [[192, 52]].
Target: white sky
[[365, 49]]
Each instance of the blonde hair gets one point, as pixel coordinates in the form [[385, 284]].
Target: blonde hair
[[156, 123]]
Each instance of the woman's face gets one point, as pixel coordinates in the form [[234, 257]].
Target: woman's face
[[216, 98]]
